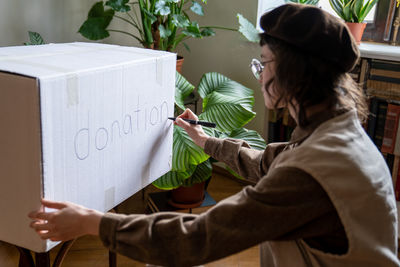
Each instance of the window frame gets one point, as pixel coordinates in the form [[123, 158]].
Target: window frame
[[381, 28]]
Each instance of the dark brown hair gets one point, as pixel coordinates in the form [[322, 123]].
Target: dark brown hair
[[311, 80]]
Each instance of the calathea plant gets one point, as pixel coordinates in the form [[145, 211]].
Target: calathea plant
[[225, 102], [156, 24]]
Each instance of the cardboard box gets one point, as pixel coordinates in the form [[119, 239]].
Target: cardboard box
[[80, 122]]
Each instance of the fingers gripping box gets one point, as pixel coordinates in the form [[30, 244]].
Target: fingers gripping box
[[80, 122]]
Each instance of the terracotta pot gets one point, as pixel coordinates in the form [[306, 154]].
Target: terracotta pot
[[357, 30], [187, 197], [179, 63]]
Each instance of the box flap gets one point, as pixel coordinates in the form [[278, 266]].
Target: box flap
[[52, 60]]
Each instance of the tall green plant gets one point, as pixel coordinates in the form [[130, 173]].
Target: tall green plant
[[352, 10], [225, 102], [156, 24]]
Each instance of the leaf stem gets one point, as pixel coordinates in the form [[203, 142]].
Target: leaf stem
[[138, 21], [136, 24], [127, 33], [220, 28], [126, 20]]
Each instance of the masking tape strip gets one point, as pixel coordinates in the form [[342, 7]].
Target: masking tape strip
[[72, 90], [109, 198]]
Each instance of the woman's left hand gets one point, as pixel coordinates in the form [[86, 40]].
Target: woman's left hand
[[69, 221]]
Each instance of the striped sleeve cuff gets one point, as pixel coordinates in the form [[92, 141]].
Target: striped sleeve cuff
[[108, 229]]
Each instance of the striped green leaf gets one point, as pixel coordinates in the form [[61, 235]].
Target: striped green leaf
[[35, 39], [210, 131], [356, 7], [304, 2], [227, 112], [173, 179], [182, 90], [216, 82], [352, 10], [185, 151], [200, 174], [337, 6], [347, 12], [254, 140], [366, 9]]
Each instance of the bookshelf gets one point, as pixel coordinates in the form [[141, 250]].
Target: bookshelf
[[380, 78], [378, 72]]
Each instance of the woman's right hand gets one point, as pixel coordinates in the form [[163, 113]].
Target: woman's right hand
[[67, 222], [195, 132]]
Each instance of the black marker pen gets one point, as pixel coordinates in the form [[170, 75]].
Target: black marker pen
[[203, 123]]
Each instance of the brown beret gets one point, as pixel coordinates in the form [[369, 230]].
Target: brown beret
[[314, 31]]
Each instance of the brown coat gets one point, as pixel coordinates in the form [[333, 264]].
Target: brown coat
[[285, 204]]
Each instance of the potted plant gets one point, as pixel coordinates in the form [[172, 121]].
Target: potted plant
[[353, 12], [156, 24], [225, 102]]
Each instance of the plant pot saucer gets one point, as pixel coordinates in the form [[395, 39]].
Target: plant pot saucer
[[185, 205]]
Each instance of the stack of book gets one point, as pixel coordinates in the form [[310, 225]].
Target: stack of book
[[383, 86]]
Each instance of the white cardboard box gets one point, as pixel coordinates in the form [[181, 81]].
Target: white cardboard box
[[80, 122]]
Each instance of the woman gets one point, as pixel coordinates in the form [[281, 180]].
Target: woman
[[323, 199]]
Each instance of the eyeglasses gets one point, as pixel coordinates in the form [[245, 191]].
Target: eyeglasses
[[257, 67]]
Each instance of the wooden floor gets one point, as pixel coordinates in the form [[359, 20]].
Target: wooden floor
[[88, 250]]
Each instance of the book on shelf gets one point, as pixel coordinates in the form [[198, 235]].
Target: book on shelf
[[380, 123], [372, 118], [383, 90], [384, 79], [382, 69], [390, 129]]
